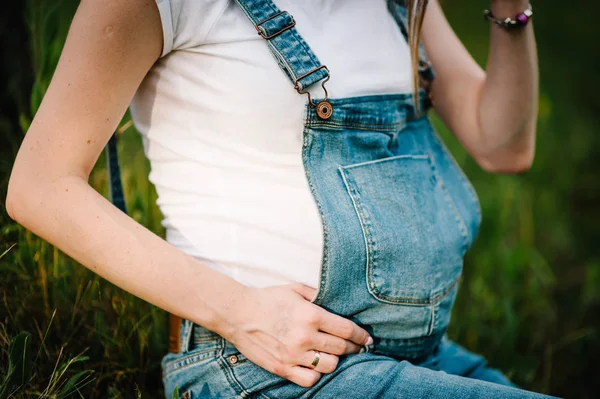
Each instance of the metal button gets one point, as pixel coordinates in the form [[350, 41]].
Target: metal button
[[324, 109], [233, 359]]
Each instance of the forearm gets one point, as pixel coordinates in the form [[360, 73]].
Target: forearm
[[507, 106], [71, 215]]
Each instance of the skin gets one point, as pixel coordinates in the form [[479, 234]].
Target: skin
[[110, 47]]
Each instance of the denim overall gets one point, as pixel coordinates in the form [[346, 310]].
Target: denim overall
[[398, 216]]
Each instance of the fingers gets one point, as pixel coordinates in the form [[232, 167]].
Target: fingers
[[332, 323], [307, 292], [334, 345], [302, 376], [343, 328], [305, 377], [326, 364]]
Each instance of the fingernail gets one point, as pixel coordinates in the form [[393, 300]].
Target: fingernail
[[369, 341]]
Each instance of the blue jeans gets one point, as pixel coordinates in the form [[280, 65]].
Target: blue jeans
[[212, 367]]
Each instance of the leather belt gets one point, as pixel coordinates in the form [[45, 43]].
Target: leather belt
[[174, 333]]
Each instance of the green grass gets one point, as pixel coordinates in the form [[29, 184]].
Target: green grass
[[529, 300]]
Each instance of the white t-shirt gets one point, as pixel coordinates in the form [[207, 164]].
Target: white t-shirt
[[222, 128]]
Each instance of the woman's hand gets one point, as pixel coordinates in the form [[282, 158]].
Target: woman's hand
[[279, 329]]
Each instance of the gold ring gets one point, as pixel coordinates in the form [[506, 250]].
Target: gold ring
[[315, 360]]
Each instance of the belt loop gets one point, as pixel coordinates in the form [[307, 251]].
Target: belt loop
[[186, 335], [180, 331]]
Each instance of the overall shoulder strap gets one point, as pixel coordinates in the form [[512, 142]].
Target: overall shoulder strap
[[292, 53], [115, 187]]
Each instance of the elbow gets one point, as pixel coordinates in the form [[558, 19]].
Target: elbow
[[514, 157], [10, 208], [31, 194], [22, 190], [12, 200], [507, 163]]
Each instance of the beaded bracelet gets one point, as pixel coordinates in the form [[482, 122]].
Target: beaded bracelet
[[521, 19]]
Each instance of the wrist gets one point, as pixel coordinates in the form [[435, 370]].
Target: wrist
[[508, 8], [220, 301], [229, 313], [517, 22]]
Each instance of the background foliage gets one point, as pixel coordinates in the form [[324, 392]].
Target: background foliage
[[530, 298]]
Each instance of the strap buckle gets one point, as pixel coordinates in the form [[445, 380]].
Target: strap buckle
[[265, 36], [297, 87]]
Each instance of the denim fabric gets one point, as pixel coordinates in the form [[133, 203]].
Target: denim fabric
[[398, 216], [211, 368], [294, 56]]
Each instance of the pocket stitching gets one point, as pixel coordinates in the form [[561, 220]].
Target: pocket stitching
[[369, 242], [463, 177], [461, 222], [228, 370], [178, 364]]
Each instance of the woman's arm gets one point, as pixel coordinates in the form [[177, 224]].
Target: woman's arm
[[109, 49], [492, 113]]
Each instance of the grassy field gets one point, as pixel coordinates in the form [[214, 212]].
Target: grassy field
[[530, 297]]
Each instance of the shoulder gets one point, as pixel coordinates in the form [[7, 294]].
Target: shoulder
[[186, 23]]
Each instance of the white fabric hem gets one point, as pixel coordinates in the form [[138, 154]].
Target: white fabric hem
[[164, 9]]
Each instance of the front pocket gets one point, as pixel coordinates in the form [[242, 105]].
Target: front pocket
[[176, 362], [414, 236]]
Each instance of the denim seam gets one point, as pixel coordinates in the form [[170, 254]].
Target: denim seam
[[203, 339], [432, 323], [461, 223], [282, 60], [388, 159], [174, 365], [463, 177], [433, 300], [362, 227], [185, 335], [228, 372], [228, 368], [313, 122], [365, 223], [370, 98], [370, 243], [325, 255], [302, 43], [389, 125]]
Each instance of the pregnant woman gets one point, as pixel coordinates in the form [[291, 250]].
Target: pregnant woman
[[316, 224]]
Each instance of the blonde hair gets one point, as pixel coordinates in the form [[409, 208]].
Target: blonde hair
[[416, 14]]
